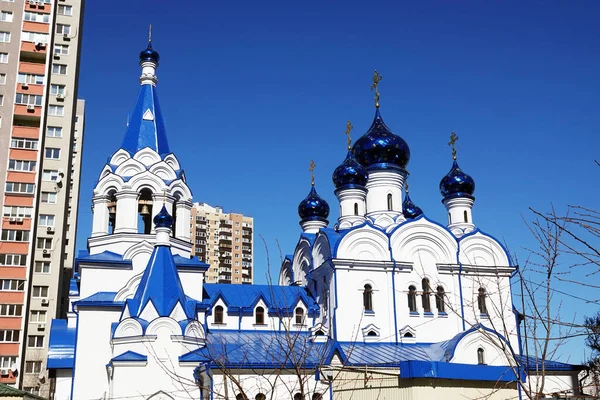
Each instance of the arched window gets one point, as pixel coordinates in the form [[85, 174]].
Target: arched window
[[112, 211], [260, 316], [299, 316], [408, 335], [439, 300], [218, 315], [480, 356], [425, 296], [355, 208], [449, 218], [465, 216], [412, 298], [145, 212], [174, 213], [368, 298], [372, 333], [319, 333], [298, 396], [481, 301], [260, 396], [389, 202]]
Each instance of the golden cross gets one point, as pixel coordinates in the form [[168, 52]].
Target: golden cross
[[150, 34], [452, 142], [312, 172], [164, 191], [347, 133], [375, 86]]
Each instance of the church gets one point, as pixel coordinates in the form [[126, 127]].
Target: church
[[384, 303]]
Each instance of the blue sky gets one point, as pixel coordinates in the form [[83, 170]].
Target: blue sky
[[252, 91]]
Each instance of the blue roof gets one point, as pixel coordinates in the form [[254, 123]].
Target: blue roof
[[130, 356], [108, 257], [535, 364], [243, 298], [61, 351], [160, 284], [100, 299], [146, 126]]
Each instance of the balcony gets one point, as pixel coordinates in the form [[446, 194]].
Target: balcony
[[32, 68], [37, 7], [28, 112], [26, 132], [35, 51]]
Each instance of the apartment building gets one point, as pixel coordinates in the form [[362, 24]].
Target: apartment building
[[41, 136], [225, 241]]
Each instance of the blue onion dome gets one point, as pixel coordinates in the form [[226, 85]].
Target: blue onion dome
[[457, 184], [313, 207], [380, 148], [163, 219], [410, 209], [350, 173], [149, 54]]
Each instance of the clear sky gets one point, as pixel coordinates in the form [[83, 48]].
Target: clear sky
[[252, 91]]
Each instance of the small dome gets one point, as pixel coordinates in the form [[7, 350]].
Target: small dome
[[380, 148], [163, 219], [457, 184], [410, 209], [149, 54], [313, 207], [349, 173]]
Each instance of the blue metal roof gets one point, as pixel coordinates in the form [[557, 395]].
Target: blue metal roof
[[108, 257], [243, 298], [61, 351], [100, 299], [160, 285], [130, 356], [146, 126], [535, 364]]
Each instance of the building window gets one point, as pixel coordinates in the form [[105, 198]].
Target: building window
[[9, 335], [426, 300], [46, 220], [465, 216], [412, 298], [480, 356], [6, 16], [44, 244], [35, 341], [481, 301], [61, 49], [59, 69], [30, 79], [3, 79], [18, 187], [33, 367], [28, 99], [12, 285], [299, 314], [32, 389], [3, 58], [439, 300], [52, 153], [35, 37], [37, 316], [11, 310], [10, 235], [50, 175], [65, 10], [218, 315], [48, 197], [7, 362], [389, 202], [368, 297], [63, 29], [1, 99], [57, 89], [42, 267], [36, 17], [54, 131], [17, 212], [28, 144], [39, 292], [355, 208], [13, 260], [22, 166], [4, 37], [260, 316], [56, 111]]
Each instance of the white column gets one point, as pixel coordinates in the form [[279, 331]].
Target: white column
[[183, 214], [312, 226], [348, 198], [127, 212], [380, 184], [100, 216], [460, 218]]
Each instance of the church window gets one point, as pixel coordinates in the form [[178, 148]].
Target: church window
[[218, 315], [480, 356], [439, 300], [174, 214], [368, 298], [319, 333], [466, 216], [412, 298], [145, 212], [355, 208], [299, 313], [372, 333], [389, 202], [449, 218], [426, 300], [481, 301], [112, 211], [260, 396], [408, 335], [260, 316]]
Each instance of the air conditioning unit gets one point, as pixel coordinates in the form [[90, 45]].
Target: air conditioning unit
[[4, 372], [24, 85], [32, 2], [57, 56], [41, 327], [45, 252], [50, 229], [12, 219], [40, 45], [60, 96], [30, 107], [19, 219], [66, 36], [45, 302]]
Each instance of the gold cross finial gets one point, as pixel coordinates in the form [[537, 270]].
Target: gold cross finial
[[375, 86], [164, 196], [312, 172], [452, 142], [150, 34], [347, 133]]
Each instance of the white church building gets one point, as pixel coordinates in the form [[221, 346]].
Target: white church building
[[385, 303]]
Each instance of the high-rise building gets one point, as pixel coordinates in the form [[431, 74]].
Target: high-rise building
[[225, 241], [41, 134]]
